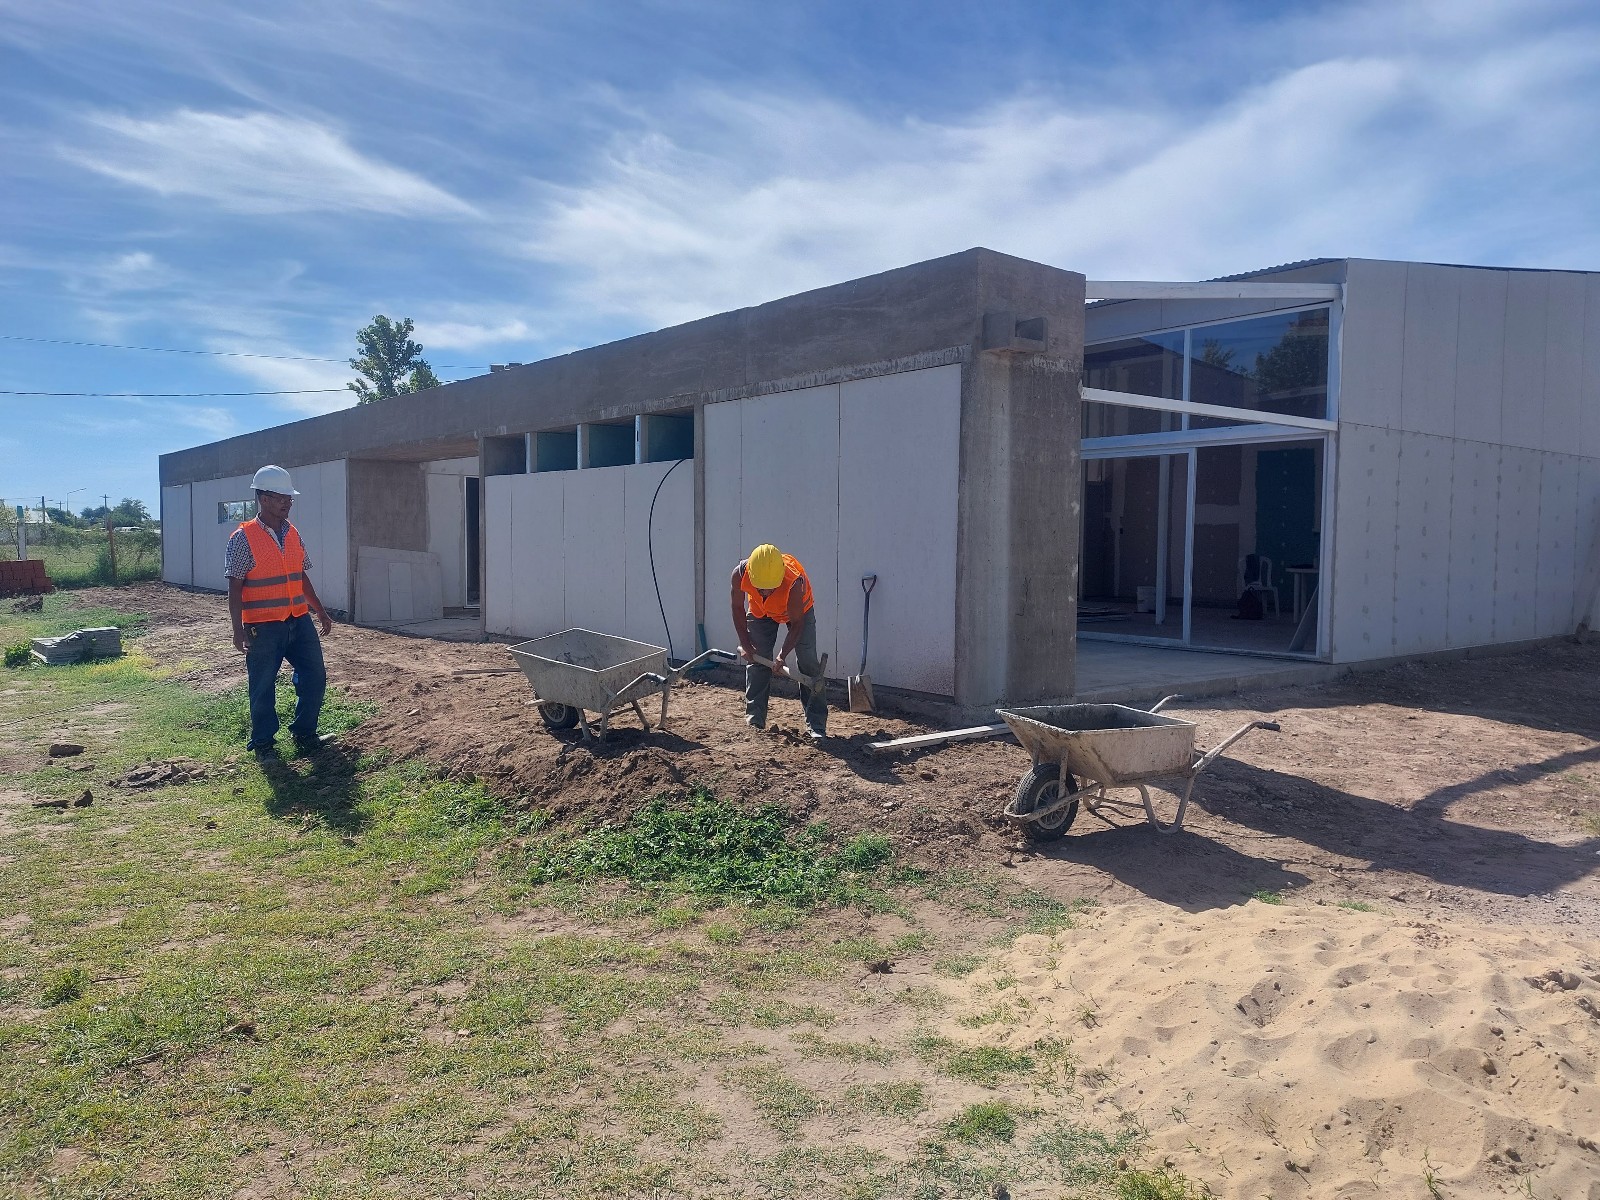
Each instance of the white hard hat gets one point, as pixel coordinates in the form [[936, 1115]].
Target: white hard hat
[[273, 479]]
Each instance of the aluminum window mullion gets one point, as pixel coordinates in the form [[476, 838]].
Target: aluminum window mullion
[[1188, 551], [1188, 351]]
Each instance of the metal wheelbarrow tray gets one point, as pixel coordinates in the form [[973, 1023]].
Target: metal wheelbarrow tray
[[579, 671], [1080, 751]]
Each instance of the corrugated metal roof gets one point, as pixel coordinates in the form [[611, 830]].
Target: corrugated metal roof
[[1294, 266], [1304, 262]]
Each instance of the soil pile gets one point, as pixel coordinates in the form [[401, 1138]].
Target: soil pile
[[1319, 1051]]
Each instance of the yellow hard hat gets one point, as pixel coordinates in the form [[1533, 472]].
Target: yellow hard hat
[[765, 567]]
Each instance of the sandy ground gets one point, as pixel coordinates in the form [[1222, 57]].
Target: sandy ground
[[1313, 1049]]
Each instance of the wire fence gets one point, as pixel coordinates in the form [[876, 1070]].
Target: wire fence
[[75, 557]]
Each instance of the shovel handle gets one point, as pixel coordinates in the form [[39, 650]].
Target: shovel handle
[[868, 582]]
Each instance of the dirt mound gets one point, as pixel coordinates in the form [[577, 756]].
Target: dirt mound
[[1463, 789]]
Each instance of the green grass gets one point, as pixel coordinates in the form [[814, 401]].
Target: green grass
[[707, 846], [1267, 897], [989, 1120], [1355, 905], [902, 1101], [345, 979], [75, 558]]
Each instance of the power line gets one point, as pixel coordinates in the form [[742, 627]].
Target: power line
[[173, 396], [16, 337]]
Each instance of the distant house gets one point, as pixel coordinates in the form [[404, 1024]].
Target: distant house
[[1341, 460]]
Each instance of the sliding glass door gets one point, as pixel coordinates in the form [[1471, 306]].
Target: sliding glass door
[[1215, 545]]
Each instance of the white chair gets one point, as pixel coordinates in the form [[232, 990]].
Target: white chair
[[1256, 572]]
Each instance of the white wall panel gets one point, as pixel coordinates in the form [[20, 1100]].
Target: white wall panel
[[1522, 416], [328, 542], [724, 480], [899, 445], [210, 535], [1590, 406], [594, 549], [1474, 531], [177, 535], [1480, 355], [1364, 544], [539, 516], [447, 532], [498, 586], [1517, 546], [1428, 355], [1373, 341], [790, 492], [851, 479], [1422, 543], [1558, 545], [1563, 363], [674, 555]]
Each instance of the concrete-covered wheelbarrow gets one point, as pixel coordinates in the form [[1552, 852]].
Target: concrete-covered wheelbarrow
[[1080, 751], [579, 671]]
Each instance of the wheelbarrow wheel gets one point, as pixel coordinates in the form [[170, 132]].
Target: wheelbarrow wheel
[[557, 717], [1040, 788]]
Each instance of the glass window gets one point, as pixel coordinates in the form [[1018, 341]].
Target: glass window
[[232, 512], [1271, 364], [1117, 420], [1143, 366], [1146, 366]]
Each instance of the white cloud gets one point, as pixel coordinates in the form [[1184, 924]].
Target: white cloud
[[1356, 151], [258, 163], [130, 416], [310, 379], [470, 335]]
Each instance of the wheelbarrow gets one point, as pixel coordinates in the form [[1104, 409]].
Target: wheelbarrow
[[1081, 751], [579, 671]]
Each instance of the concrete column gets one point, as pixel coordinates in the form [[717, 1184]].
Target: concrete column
[[1018, 525]]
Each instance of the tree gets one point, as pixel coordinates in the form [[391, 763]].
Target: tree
[[130, 512], [391, 363]]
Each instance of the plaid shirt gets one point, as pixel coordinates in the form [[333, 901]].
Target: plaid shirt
[[241, 561]]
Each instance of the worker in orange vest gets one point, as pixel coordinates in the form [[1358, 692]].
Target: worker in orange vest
[[771, 588], [270, 599]]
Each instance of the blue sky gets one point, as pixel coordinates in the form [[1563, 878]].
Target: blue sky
[[525, 179]]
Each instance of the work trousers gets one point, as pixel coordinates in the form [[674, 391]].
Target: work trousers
[[758, 679], [272, 642]]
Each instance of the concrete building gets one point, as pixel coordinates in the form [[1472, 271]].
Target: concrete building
[[921, 425], [1390, 458]]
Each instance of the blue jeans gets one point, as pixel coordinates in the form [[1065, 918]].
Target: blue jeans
[[271, 642]]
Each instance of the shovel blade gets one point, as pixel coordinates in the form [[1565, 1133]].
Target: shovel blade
[[859, 689]]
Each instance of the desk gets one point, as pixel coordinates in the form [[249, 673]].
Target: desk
[[1305, 586]]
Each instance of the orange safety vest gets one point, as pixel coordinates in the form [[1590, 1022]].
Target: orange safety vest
[[776, 606], [273, 590]]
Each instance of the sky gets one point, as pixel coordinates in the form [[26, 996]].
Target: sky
[[238, 188]]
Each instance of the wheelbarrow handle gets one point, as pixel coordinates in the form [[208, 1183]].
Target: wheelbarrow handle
[[653, 677], [1205, 759]]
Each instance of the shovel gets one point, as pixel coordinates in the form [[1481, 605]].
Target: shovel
[[859, 687]]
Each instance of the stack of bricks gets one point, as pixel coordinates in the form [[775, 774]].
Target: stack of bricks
[[25, 578]]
